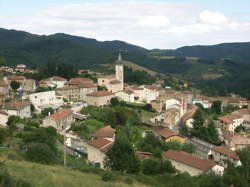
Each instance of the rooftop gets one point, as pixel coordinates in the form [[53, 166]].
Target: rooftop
[[225, 151], [106, 131], [229, 118], [100, 143], [15, 105], [165, 132], [61, 114], [189, 160], [100, 94]]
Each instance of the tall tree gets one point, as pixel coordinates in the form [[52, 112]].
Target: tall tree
[[216, 107], [212, 133], [14, 85], [121, 156]]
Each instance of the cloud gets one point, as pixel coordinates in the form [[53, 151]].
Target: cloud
[[146, 23]]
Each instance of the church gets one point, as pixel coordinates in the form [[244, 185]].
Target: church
[[114, 82]]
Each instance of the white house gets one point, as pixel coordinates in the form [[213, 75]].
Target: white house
[[3, 118], [205, 103], [150, 93], [126, 95], [185, 162], [230, 122], [54, 81], [43, 99], [18, 108]]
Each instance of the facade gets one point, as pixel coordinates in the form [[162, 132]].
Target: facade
[[61, 120], [28, 85], [237, 142], [126, 95], [185, 162], [2, 100], [18, 108], [157, 105], [106, 132], [99, 98], [221, 154], [168, 135], [4, 88], [96, 151], [204, 102], [3, 118], [230, 122], [54, 81], [150, 93], [114, 83], [77, 92], [44, 99]]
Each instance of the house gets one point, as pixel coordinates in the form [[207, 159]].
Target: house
[[47, 99], [244, 113], [54, 81], [79, 81], [61, 120], [20, 68], [168, 135], [230, 122], [106, 132], [4, 88], [143, 155], [237, 142], [99, 98], [28, 85], [206, 103], [221, 154], [187, 118], [16, 78], [96, 150], [18, 108], [178, 103], [202, 148], [3, 118], [114, 83], [150, 93], [157, 105], [185, 162], [76, 92], [138, 93], [126, 95]]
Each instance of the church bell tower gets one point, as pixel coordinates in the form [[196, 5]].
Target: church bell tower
[[119, 69]]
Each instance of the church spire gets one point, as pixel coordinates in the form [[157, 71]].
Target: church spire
[[119, 60]]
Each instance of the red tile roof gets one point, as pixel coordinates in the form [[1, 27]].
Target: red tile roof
[[79, 80], [150, 87], [100, 93], [104, 132], [100, 143], [143, 155], [229, 118], [57, 78], [14, 77], [225, 151], [165, 132], [189, 160], [61, 114], [17, 105]]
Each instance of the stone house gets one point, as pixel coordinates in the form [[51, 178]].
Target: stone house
[[185, 162], [230, 122], [61, 120], [28, 85], [106, 132], [77, 92], [96, 150], [18, 108], [167, 135], [221, 154], [99, 98], [78, 81], [237, 142]]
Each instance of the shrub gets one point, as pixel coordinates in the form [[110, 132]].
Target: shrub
[[108, 176]]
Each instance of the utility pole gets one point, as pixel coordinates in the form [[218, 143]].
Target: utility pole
[[65, 150]]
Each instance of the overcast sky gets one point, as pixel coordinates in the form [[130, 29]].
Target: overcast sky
[[148, 23]]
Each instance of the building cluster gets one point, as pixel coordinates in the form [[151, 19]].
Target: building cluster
[[20, 68], [172, 109]]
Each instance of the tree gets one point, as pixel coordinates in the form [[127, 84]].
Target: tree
[[14, 85], [47, 111], [153, 167], [216, 107], [245, 160], [114, 101], [198, 129], [212, 134], [121, 156], [12, 122], [3, 134]]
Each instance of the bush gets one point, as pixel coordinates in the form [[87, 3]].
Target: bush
[[108, 176], [153, 167], [41, 153]]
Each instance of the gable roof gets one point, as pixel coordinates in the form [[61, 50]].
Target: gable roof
[[165, 132], [61, 114], [57, 78], [143, 155], [225, 151], [100, 143], [100, 94], [106, 131], [79, 80], [189, 160], [229, 118], [16, 105]]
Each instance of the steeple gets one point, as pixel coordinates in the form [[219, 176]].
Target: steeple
[[119, 60]]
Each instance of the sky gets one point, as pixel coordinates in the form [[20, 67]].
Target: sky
[[165, 24]]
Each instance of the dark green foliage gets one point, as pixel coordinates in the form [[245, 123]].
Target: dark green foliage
[[153, 167], [14, 85], [13, 121], [40, 152], [114, 101], [216, 106], [121, 156], [108, 176], [240, 128], [3, 134], [48, 111], [137, 77]]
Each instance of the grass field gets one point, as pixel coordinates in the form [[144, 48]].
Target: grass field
[[139, 68], [57, 176]]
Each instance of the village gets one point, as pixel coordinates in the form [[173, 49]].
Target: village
[[155, 111]]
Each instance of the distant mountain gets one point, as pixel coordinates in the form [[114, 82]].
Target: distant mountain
[[235, 51]]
